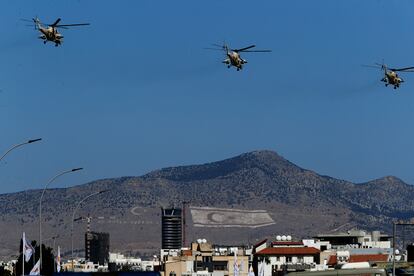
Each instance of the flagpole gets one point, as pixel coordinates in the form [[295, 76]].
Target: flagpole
[[54, 263], [23, 254], [23, 257]]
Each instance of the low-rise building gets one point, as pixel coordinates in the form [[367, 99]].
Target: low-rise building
[[81, 265], [203, 258], [356, 239], [355, 246], [289, 258]]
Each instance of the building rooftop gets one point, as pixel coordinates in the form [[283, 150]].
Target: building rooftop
[[368, 258], [289, 251], [287, 243], [260, 243], [351, 233]]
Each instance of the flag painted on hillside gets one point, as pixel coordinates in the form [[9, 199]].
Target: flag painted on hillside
[[220, 217]]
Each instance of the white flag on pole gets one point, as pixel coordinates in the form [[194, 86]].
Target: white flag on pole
[[58, 260], [251, 272], [28, 249], [235, 266], [36, 269], [261, 269]]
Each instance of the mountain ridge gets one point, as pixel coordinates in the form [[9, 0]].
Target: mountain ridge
[[301, 201]]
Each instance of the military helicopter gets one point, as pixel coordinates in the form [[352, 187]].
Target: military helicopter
[[390, 74], [49, 32], [233, 57]]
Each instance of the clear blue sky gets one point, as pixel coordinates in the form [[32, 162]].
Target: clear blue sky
[[136, 91]]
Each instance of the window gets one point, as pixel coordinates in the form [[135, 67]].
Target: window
[[220, 265]]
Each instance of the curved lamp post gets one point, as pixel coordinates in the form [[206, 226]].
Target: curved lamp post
[[40, 206], [19, 145], [73, 216]]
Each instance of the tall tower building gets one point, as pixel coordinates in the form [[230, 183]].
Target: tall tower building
[[97, 247], [172, 228]]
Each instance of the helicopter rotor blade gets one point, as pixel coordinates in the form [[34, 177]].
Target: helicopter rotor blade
[[72, 25], [214, 49], [381, 65], [31, 21], [217, 45], [56, 22], [378, 66], [243, 49], [406, 69], [256, 51], [373, 66]]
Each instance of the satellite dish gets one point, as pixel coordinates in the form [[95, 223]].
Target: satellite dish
[[204, 241], [283, 238], [278, 238], [289, 238]]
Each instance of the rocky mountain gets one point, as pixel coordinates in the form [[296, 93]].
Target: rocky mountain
[[297, 201]]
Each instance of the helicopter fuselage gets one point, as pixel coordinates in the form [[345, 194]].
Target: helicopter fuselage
[[50, 34], [234, 59], [392, 78]]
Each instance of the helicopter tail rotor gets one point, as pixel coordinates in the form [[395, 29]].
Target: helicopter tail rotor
[[382, 66], [36, 21], [225, 47]]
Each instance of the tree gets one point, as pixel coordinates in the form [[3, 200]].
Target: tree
[[4, 272], [47, 260]]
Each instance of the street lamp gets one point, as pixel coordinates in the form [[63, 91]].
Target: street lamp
[[19, 145], [54, 240], [40, 206], [73, 216]]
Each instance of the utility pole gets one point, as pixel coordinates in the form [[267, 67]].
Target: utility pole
[[394, 230], [394, 234], [183, 218]]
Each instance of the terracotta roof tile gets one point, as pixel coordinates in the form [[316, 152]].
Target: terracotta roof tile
[[368, 258], [260, 243], [332, 260], [289, 251]]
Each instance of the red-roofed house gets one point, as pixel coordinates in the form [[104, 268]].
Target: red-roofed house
[[358, 258], [259, 246], [290, 258], [332, 261], [289, 251], [368, 258]]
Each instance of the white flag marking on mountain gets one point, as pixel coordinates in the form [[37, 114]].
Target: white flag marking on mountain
[[220, 217]]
